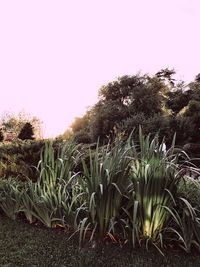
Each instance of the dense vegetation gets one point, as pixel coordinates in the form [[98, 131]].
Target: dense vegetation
[[115, 181], [127, 192], [19, 158]]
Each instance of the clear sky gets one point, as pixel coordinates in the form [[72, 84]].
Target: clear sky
[[55, 55]]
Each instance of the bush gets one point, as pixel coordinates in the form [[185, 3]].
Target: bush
[[154, 124], [190, 190], [19, 159]]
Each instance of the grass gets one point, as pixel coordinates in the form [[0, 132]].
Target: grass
[[22, 244]]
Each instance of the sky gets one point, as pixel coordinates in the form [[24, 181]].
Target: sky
[[55, 55]]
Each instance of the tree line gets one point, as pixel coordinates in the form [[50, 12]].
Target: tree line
[[159, 103]]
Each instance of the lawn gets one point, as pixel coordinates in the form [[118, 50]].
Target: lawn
[[22, 244]]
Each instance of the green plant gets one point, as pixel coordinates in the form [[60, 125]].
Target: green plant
[[19, 159], [28, 199], [104, 183], [57, 165], [154, 178], [190, 190], [54, 196], [185, 225], [56, 204], [11, 197]]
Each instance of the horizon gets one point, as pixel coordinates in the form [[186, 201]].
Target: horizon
[[56, 56]]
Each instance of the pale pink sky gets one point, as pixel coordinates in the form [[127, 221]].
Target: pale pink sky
[[55, 55]]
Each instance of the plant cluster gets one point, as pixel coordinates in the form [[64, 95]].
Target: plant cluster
[[126, 191]]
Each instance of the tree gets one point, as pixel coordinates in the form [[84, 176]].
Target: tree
[[166, 75], [124, 98], [178, 99], [65, 136], [81, 128], [14, 123], [197, 78], [26, 132], [158, 103], [1, 135]]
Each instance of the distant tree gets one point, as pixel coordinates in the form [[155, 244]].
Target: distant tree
[[81, 128], [14, 123], [1, 135], [26, 132], [167, 76], [197, 78], [65, 136], [178, 99]]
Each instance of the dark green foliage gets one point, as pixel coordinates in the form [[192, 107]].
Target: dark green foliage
[[26, 132], [190, 190], [166, 75], [119, 101], [122, 100], [155, 124], [178, 99], [81, 128], [20, 158], [82, 137], [159, 103]]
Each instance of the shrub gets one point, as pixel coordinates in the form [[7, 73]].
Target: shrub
[[11, 197], [19, 159], [190, 190]]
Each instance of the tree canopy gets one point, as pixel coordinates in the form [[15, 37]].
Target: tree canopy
[[157, 103]]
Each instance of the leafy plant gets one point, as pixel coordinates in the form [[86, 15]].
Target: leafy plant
[[54, 166], [190, 190], [185, 225], [104, 183], [11, 197], [19, 158], [155, 178], [53, 197]]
